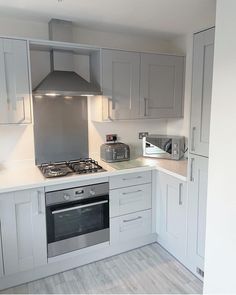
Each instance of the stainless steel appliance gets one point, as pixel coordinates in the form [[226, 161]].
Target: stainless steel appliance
[[163, 146], [114, 152], [81, 166], [66, 82], [77, 218]]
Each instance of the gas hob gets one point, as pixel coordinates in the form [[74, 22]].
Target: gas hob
[[80, 166]]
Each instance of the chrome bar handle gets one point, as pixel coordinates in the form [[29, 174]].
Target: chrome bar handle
[[133, 192], [193, 139], [2, 266], [145, 107], [191, 169], [132, 219], [79, 207], [180, 194], [130, 178], [39, 210]]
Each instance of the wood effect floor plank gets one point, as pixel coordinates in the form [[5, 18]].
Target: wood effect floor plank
[[146, 270]]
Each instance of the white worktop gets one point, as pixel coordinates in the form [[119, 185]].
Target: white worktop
[[27, 175]]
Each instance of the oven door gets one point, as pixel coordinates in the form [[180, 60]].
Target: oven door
[[77, 225]]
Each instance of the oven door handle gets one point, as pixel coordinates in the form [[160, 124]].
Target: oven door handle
[[79, 207]]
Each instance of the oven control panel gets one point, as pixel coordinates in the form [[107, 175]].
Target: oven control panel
[[78, 193]]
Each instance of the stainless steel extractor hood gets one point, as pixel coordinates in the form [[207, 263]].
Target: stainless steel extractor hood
[[59, 81]]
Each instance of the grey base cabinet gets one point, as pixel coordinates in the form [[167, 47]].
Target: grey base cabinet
[[172, 207], [201, 92], [23, 231], [161, 86], [15, 92], [197, 212]]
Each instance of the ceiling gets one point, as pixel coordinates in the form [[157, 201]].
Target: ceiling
[[156, 17]]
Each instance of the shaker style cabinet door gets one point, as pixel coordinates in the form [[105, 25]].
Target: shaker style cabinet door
[[120, 83], [197, 210], [23, 230], [161, 86], [201, 92], [14, 82], [173, 215]]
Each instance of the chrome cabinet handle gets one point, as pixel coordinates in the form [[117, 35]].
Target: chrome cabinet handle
[[191, 170], [132, 219], [145, 107], [79, 207], [39, 210], [193, 139], [130, 178], [180, 194], [133, 192], [108, 109]]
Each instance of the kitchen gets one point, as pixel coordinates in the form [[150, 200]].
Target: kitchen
[[164, 200]]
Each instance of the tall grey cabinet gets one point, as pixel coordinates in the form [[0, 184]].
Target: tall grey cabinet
[[199, 145], [14, 82]]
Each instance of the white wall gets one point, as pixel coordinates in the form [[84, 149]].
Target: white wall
[[183, 45], [17, 141], [220, 262]]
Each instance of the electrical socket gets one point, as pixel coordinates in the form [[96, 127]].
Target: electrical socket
[[142, 134]]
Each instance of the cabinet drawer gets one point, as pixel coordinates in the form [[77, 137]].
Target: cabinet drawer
[[130, 179], [131, 226], [130, 199]]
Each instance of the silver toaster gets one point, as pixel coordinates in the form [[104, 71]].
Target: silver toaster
[[114, 152]]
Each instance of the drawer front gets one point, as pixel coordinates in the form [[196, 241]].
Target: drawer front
[[131, 226], [130, 199], [130, 179]]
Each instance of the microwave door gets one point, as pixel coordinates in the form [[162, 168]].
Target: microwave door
[[152, 149]]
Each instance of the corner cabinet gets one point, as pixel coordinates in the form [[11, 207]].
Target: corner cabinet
[[15, 107], [197, 212], [139, 86], [23, 231], [161, 86], [203, 57], [172, 211]]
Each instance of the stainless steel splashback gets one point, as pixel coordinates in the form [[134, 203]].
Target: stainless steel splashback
[[60, 128]]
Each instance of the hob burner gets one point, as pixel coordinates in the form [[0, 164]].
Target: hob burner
[[80, 166]]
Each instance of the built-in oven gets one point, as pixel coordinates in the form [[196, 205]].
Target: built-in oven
[[77, 218]]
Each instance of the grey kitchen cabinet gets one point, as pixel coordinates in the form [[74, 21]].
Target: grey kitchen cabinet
[[23, 230], [201, 92], [15, 107], [161, 86], [197, 211], [120, 83], [172, 206]]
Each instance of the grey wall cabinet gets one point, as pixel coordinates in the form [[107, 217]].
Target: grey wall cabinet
[[120, 83], [23, 230], [197, 211], [161, 86], [201, 92], [14, 82], [139, 85]]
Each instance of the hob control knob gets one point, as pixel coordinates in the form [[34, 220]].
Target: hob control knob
[[92, 193], [66, 197]]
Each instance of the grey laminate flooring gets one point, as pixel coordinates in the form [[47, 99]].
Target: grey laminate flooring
[[149, 269]]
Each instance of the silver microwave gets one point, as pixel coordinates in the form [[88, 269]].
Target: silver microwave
[[163, 146]]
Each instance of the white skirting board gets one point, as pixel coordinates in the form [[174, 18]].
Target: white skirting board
[[70, 261]]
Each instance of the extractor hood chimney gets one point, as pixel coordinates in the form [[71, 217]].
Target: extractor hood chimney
[[62, 80]]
